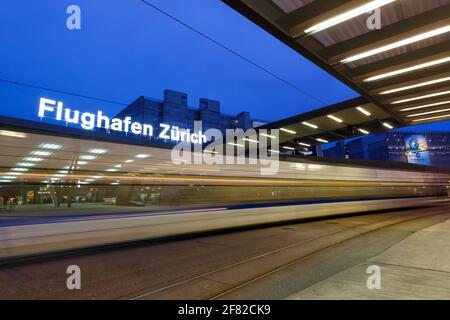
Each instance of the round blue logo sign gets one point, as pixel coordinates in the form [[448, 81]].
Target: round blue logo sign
[[414, 144]]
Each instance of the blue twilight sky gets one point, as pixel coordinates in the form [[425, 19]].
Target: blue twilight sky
[[126, 49]]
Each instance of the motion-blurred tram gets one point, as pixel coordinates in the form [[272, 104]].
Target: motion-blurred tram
[[78, 192]]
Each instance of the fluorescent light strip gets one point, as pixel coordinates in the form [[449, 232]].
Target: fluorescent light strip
[[350, 14], [267, 135], [387, 125], [422, 84], [88, 157], [427, 106], [142, 156], [288, 131], [362, 110], [210, 151], [310, 125], [236, 144], [397, 44], [335, 118], [12, 134], [429, 112], [304, 144], [363, 131], [432, 95], [20, 169], [25, 164], [41, 153], [274, 151], [98, 151], [288, 148], [406, 70], [51, 146], [33, 159], [251, 140], [322, 140], [432, 118]]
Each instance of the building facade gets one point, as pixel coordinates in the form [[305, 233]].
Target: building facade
[[424, 148], [174, 110]]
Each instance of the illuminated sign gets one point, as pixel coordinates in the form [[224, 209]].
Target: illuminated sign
[[89, 121], [417, 149]]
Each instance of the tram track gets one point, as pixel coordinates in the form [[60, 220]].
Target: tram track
[[329, 240]]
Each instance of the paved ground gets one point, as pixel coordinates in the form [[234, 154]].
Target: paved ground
[[416, 268], [320, 259]]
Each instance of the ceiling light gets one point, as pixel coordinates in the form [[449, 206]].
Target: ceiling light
[[362, 110], [87, 157], [432, 118], [33, 159], [274, 151], [8, 177], [20, 169], [363, 131], [422, 84], [59, 175], [288, 131], [251, 140], [350, 14], [25, 164], [426, 106], [71, 168], [97, 151], [12, 134], [5, 181], [114, 183], [118, 166], [236, 144], [50, 146], [268, 136], [437, 94], [335, 118], [409, 69], [62, 171], [397, 44], [112, 170], [388, 125], [41, 153], [288, 148], [81, 163], [429, 112], [304, 144], [142, 156], [210, 151], [15, 173], [322, 140], [128, 161], [310, 125]]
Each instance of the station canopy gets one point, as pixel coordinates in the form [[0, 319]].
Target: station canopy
[[401, 70]]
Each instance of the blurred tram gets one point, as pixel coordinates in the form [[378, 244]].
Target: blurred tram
[[78, 192]]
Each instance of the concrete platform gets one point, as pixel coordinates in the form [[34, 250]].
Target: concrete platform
[[416, 268]]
